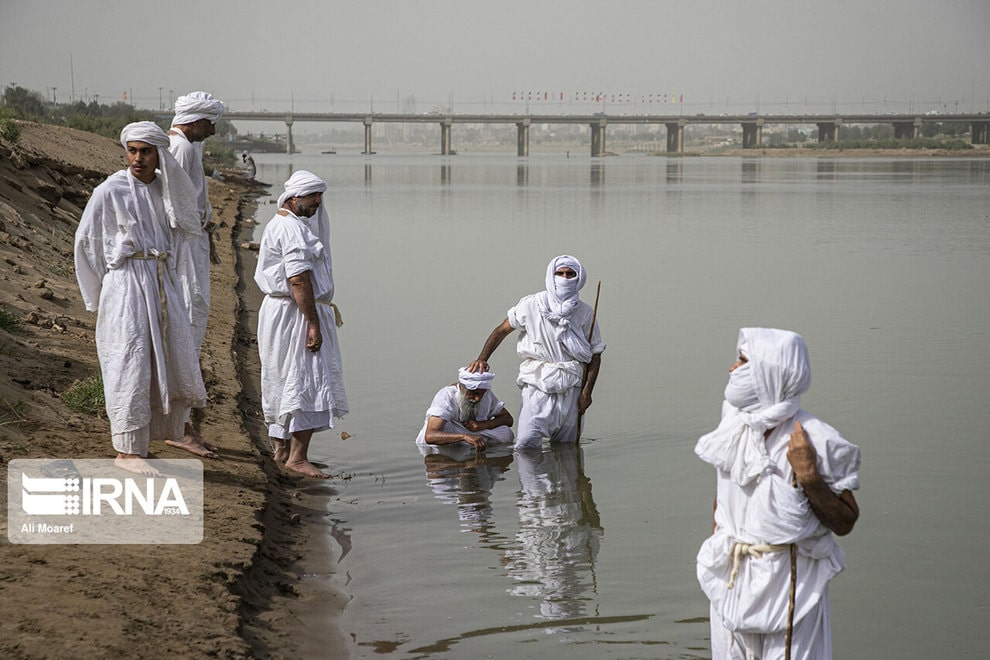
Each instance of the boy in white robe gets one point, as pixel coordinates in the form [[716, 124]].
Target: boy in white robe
[[124, 258], [468, 412], [195, 119], [302, 382], [784, 485], [560, 364]]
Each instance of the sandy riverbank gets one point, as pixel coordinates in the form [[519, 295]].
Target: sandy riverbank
[[235, 594]]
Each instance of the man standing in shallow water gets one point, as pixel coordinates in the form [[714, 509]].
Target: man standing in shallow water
[[784, 485], [124, 253], [560, 364], [302, 382]]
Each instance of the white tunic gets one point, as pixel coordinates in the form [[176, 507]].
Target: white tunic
[[125, 219], [445, 407], [769, 510], [294, 379], [549, 376], [192, 249]]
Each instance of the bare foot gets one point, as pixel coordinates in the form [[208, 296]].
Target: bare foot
[[136, 464], [281, 450], [306, 468], [193, 436], [193, 448]]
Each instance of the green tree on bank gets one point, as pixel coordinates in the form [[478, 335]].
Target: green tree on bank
[[94, 117]]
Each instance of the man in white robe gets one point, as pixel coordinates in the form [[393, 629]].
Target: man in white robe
[[560, 363], [248, 161], [302, 383], [195, 119], [467, 412], [784, 486], [124, 258]]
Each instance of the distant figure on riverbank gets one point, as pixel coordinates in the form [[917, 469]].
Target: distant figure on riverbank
[[249, 164], [467, 411], [560, 365], [195, 119], [302, 381], [125, 268], [784, 482]]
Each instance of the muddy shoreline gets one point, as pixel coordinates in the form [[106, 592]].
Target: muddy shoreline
[[234, 595]]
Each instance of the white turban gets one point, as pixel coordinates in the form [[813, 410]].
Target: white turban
[[177, 190], [144, 131], [195, 106], [300, 184], [779, 373], [554, 285], [303, 183], [559, 301], [481, 380]]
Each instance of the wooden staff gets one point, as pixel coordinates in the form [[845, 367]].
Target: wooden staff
[[790, 602], [584, 378], [790, 599]]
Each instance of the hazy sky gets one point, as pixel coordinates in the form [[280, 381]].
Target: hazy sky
[[721, 55]]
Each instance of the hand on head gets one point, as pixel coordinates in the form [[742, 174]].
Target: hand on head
[[477, 366]]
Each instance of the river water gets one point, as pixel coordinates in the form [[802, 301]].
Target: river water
[[882, 264]]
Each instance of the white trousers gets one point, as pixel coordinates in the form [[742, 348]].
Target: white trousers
[[542, 415], [162, 427], [811, 639], [301, 420]]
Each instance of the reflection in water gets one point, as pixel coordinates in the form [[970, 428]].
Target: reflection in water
[[522, 174], [597, 174], [552, 558], [445, 171], [751, 170], [675, 170], [367, 174], [559, 533], [462, 477], [825, 169]]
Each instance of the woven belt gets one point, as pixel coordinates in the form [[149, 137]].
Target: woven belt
[[756, 550], [162, 267]]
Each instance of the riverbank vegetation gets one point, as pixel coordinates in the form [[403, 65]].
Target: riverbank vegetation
[[945, 144], [106, 119]]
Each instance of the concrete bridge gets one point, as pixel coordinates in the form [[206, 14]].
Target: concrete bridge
[[905, 125]]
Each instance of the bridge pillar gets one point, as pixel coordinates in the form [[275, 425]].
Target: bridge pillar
[[598, 137], [828, 131], [288, 134], [908, 129], [367, 136], [675, 137], [522, 137], [445, 125], [979, 132], [752, 134]]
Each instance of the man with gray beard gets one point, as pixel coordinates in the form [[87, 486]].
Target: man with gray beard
[[467, 411]]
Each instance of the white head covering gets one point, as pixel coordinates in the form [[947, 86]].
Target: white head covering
[[177, 190], [300, 184], [559, 301], [481, 380], [776, 374], [563, 292], [195, 106], [303, 183]]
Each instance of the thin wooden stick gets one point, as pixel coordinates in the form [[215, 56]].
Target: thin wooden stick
[[584, 378], [791, 597], [790, 604]]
